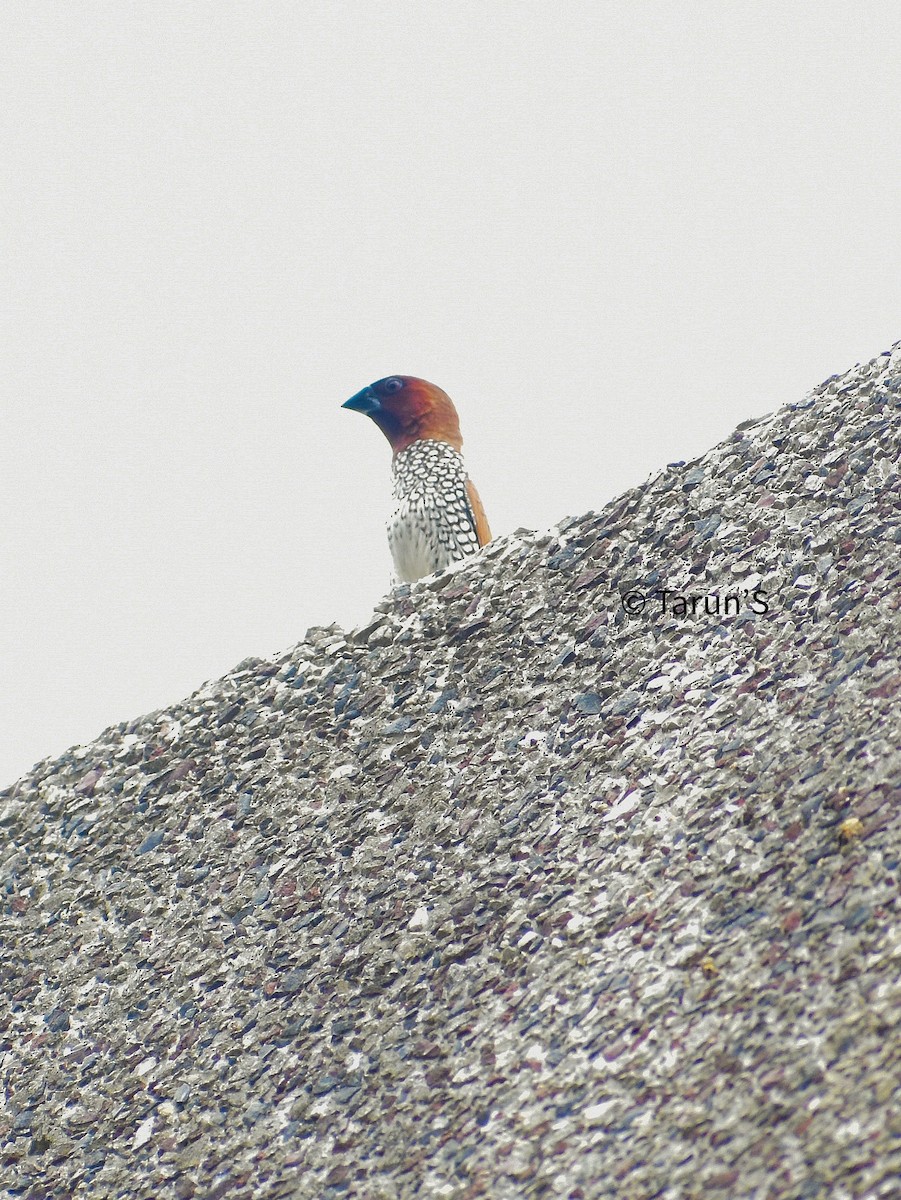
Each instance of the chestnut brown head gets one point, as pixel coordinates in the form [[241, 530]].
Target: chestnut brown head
[[407, 409]]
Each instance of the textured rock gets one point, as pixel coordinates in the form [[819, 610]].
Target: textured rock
[[573, 874]]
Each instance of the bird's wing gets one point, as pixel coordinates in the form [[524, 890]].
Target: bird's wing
[[479, 520]]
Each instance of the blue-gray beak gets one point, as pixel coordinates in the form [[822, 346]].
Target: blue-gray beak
[[366, 402]]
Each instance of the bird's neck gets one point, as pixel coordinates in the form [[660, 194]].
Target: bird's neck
[[404, 441]]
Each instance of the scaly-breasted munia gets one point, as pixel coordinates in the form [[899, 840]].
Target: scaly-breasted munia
[[438, 516]]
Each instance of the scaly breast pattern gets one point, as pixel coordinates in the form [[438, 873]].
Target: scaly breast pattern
[[432, 524]]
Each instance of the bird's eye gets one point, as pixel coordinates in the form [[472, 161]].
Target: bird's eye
[[392, 385]]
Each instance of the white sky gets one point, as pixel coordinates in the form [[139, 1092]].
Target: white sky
[[610, 230]]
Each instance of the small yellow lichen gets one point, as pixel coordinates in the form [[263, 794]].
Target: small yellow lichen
[[851, 827]]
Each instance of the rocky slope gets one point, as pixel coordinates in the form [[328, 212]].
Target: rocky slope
[[523, 890]]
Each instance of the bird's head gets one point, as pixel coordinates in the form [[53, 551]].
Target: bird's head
[[407, 409]]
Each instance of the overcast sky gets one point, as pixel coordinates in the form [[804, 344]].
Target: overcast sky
[[611, 231]]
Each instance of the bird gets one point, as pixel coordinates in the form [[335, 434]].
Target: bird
[[438, 517]]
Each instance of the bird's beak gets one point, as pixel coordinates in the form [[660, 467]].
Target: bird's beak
[[366, 402]]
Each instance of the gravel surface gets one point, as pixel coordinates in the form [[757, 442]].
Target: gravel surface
[[518, 891]]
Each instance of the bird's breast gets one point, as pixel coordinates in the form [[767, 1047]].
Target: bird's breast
[[432, 524]]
